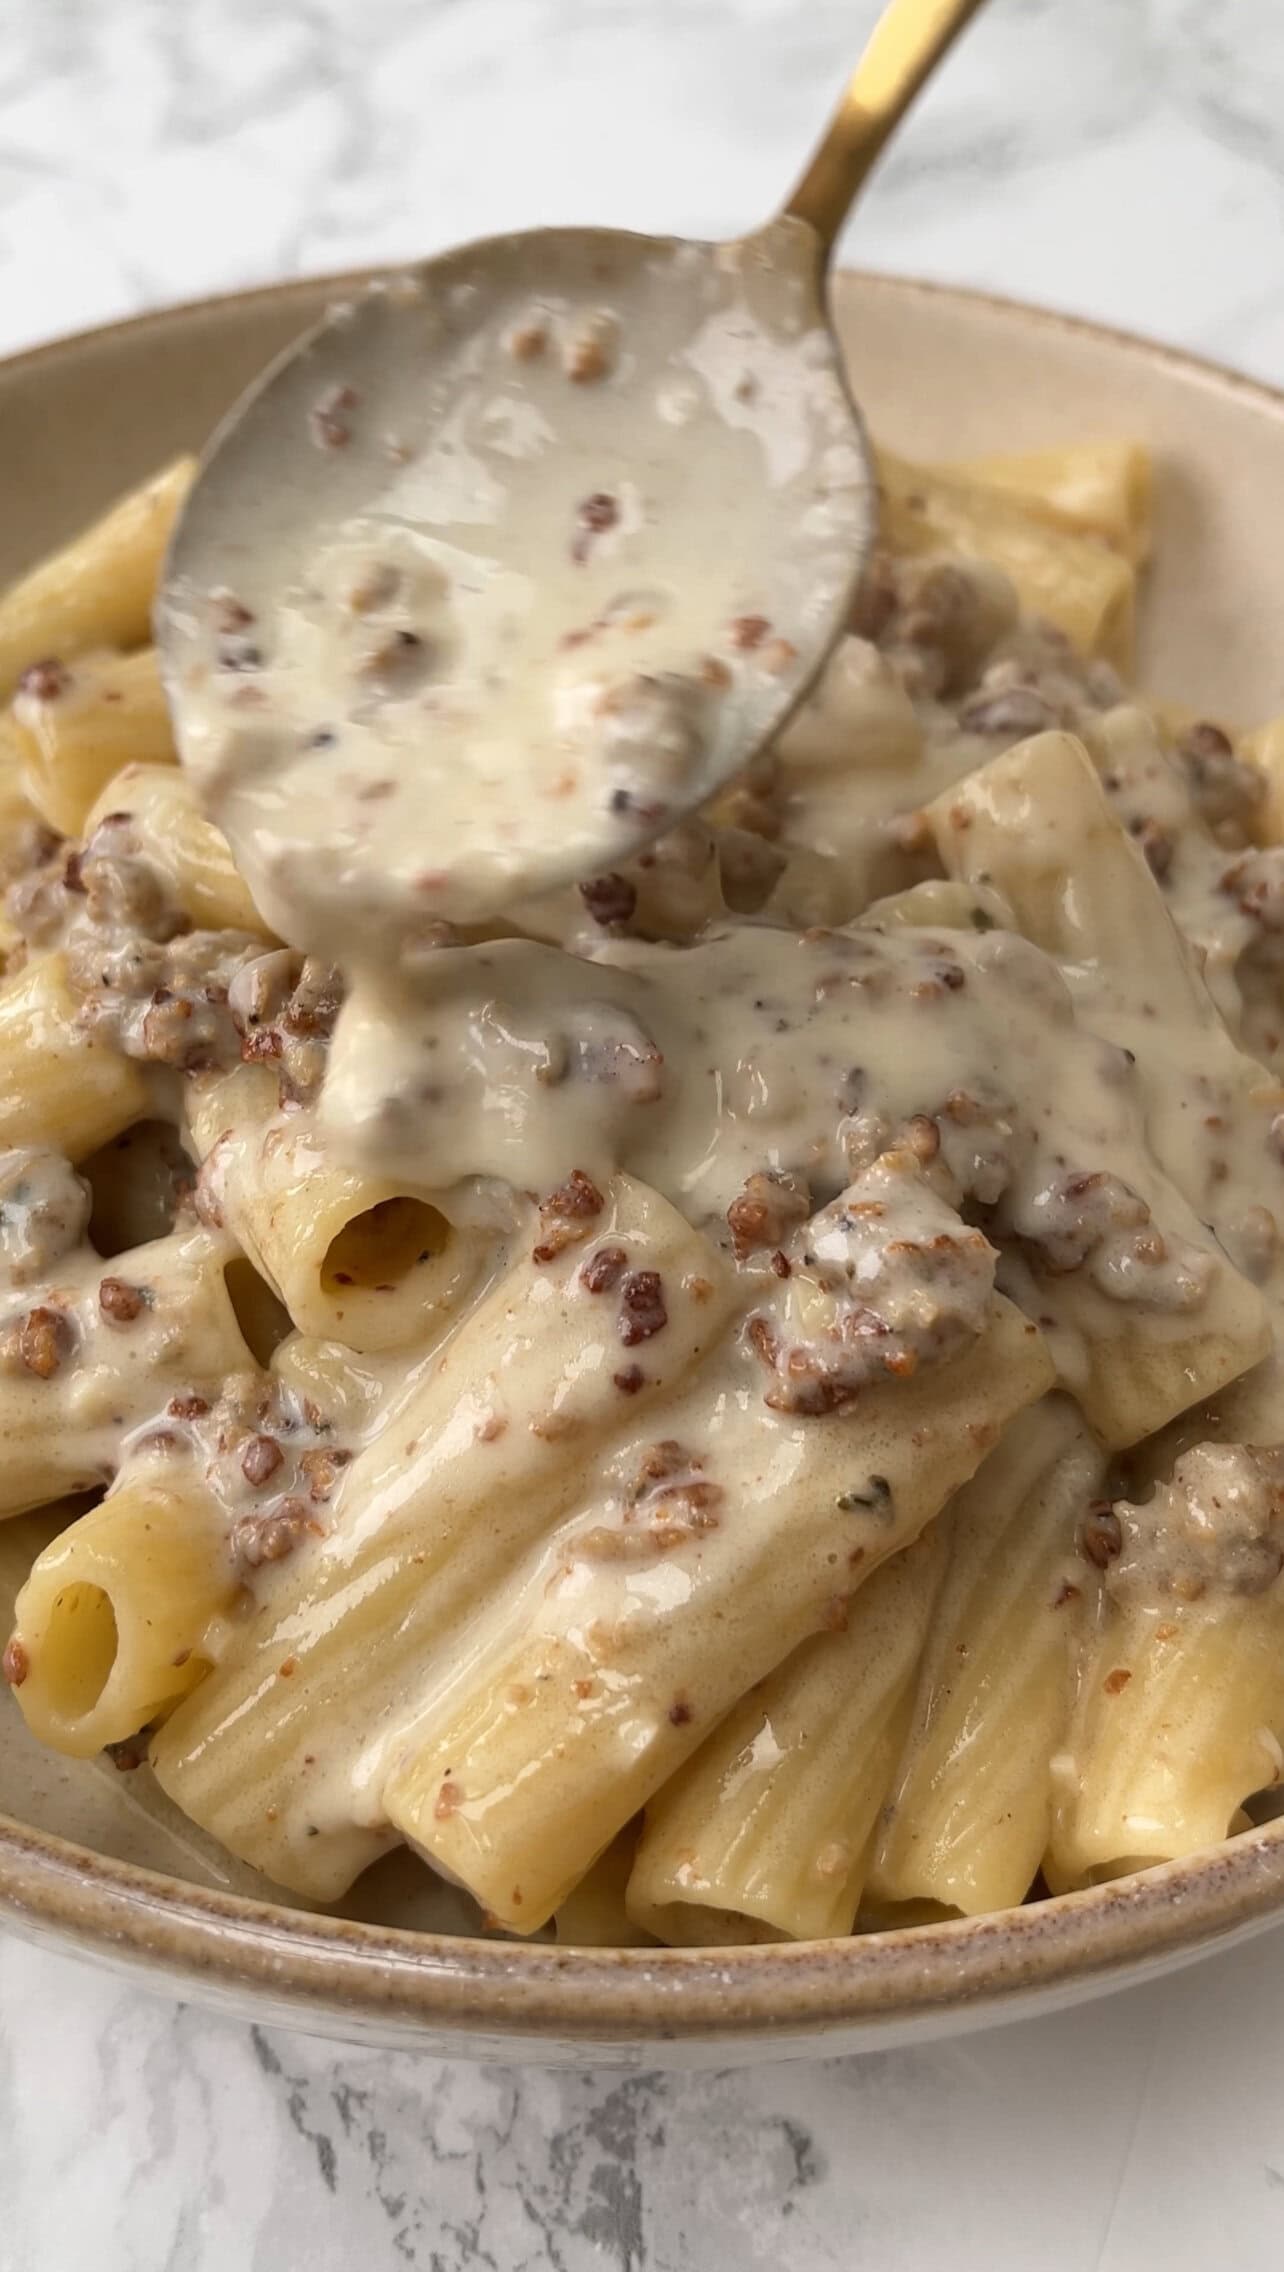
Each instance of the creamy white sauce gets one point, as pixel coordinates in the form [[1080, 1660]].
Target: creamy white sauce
[[522, 593], [697, 1067]]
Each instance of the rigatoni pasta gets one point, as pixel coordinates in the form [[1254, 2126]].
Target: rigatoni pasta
[[739, 1401], [94, 1349], [1180, 1710], [969, 1800], [80, 724], [351, 1257], [1102, 488], [1264, 748], [60, 1087], [767, 1831], [159, 808], [490, 1443], [1079, 583], [114, 1616], [96, 592], [595, 1914], [515, 1802]]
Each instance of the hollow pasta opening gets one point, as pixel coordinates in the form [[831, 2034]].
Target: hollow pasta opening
[[263, 1319], [79, 1651], [136, 1181], [378, 1251]]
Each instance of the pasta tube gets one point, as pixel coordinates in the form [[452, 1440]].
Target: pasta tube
[[349, 1391], [859, 720], [1180, 1710], [64, 1090], [354, 1258], [1131, 1378], [515, 1798], [1103, 489], [937, 905], [110, 1626], [176, 838], [1035, 825], [971, 1801], [99, 1349], [594, 1915], [812, 887], [96, 592], [18, 817], [102, 713], [19, 830], [90, 1800], [769, 1825], [851, 753], [1265, 749], [480, 1462], [1077, 582]]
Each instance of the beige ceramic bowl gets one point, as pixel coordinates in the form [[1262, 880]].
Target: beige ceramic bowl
[[938, 373]]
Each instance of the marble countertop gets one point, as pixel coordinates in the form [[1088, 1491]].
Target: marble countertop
[[1124, 158]]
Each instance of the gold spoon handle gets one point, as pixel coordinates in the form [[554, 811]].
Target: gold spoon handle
[[907, 43]]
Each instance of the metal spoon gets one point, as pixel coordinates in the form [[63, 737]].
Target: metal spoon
[[522, 555]]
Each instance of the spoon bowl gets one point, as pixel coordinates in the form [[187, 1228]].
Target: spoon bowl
[[567, 519]]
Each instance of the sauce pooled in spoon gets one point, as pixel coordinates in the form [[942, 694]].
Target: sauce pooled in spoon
[[526, 579]]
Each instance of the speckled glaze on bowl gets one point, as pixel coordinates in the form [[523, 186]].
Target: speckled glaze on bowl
[[939, 373]]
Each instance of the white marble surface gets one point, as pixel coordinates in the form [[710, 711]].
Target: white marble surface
[[1121, 157]]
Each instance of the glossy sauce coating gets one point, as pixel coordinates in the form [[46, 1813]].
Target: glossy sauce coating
[[874, 1110]]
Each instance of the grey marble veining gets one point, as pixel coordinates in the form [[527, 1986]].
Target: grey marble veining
[[1120, 157], [141, 2136]]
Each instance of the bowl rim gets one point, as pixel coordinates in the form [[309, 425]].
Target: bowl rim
[[324, 1965]]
